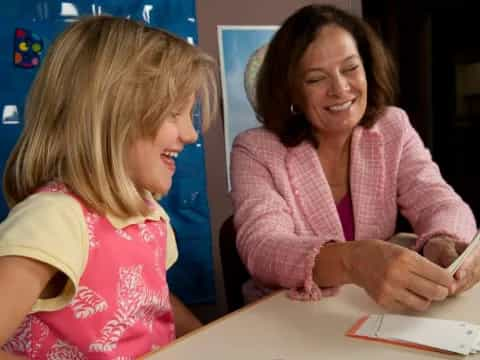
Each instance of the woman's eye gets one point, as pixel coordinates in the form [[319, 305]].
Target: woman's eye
[[351, 68], [315, 80]]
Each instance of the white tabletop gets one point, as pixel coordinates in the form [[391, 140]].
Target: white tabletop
[[278, 328]]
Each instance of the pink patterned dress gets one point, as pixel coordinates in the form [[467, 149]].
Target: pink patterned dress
[[121, 309]]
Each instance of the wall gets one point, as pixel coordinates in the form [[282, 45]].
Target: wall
[[211, 13]]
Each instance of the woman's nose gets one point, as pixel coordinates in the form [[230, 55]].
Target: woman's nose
[[339, 84]]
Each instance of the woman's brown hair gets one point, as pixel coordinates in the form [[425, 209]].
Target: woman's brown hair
[[276, 78]]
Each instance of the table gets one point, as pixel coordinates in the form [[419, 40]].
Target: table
[[278, 328]]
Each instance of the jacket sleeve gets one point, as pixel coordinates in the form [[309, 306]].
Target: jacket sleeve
[[425, 199], [266, 240]]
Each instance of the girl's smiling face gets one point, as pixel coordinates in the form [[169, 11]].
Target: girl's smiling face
[[151, 161]]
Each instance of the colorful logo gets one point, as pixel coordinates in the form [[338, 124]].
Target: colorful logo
[[27, 49]]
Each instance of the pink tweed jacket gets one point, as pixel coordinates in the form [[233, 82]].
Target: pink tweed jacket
[[285, 211]]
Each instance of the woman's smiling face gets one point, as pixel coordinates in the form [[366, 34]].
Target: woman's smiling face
[[332, 84]]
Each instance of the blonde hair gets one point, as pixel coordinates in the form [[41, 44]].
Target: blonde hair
[[105, 82]]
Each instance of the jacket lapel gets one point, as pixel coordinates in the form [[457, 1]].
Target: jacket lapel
[[367, 180], [312, 191]]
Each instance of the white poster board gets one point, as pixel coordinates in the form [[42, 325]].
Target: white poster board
[[236, 44]]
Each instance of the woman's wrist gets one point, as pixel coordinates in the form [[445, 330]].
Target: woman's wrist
[[334, 264], [440, 236], [350, 254], [432, 242]]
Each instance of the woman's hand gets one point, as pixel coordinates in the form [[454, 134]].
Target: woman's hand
[[443, 251], [395, 277], [468, 274]]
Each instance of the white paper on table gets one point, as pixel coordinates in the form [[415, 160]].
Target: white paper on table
[[454, 336], [370, 327], [476, 344]]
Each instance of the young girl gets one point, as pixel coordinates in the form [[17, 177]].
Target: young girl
[[84, 251]]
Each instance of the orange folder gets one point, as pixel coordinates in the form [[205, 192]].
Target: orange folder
[[352, 333]]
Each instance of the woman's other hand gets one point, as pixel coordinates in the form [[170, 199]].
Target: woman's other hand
[[444, 250], [468, 274], [395, 277]]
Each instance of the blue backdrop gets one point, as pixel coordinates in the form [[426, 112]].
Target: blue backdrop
[[38, 23]]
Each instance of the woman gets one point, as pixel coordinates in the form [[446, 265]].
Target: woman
[[317, 190]]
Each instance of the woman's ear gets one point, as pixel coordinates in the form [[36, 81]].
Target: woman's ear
[[296, 95]]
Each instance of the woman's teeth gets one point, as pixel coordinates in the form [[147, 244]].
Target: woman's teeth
[[341, 107]]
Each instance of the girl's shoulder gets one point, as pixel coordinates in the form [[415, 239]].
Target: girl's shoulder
[[43, 204], [50, 228], [43, 217]]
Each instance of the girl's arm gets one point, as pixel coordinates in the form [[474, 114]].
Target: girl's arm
[[22, 281], [7, 356], [185, 321]]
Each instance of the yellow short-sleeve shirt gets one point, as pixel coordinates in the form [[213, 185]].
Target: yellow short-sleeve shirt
[[51, 228]]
